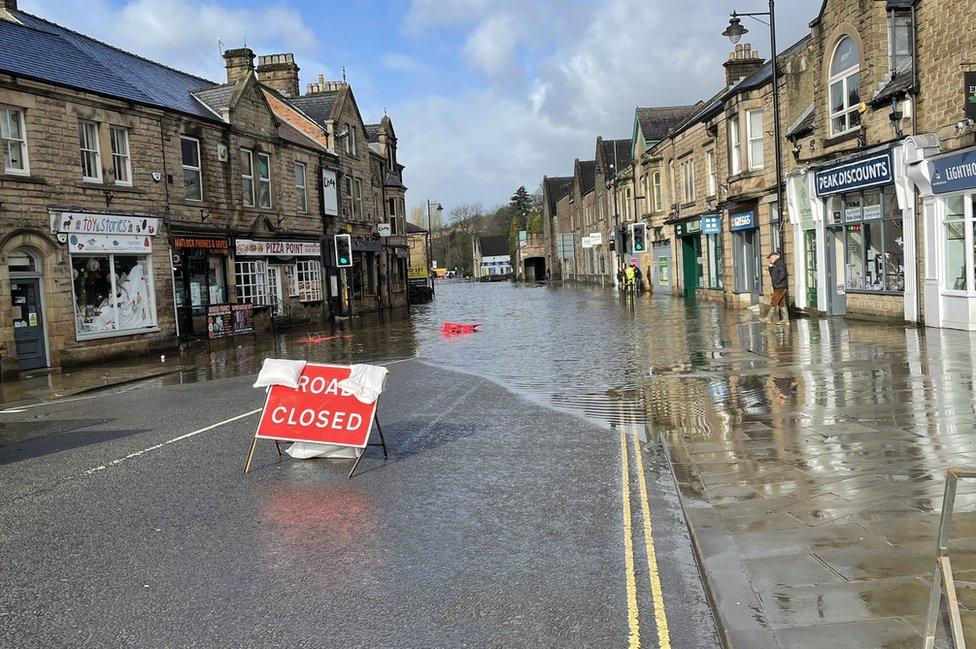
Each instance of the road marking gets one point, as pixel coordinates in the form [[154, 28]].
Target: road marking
[[155, 447], [633, 614], [663, 635]]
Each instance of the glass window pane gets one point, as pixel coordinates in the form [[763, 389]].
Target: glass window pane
[[191, 185], [852, 207], [873, 245], [94, 311], [853, 90], [846, 56], [191, 153], [954, 241], [855, 257], [872, 205], [133, 292]]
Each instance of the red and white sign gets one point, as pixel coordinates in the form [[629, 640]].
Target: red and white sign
[[317, 411], [254, 248]]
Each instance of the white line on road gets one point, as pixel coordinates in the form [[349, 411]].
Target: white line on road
[[155, 447]]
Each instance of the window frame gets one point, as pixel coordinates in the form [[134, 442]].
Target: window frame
[[712, 176], [735, 146], [257, 271], [262, 181], [893, 56], [247, 179], [357, 198], [858, 224], [197, 169], [308, 274], [753, 138], [843, 78], [656, 189], [688, 179], [149, 278], [83, 125], [116, 156], [302, 189], [22, 124], [393, 217]]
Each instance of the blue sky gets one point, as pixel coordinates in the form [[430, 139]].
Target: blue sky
[[485, 94]]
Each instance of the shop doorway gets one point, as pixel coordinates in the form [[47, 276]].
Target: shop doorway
[[200, 282], [27, 307], [810, 269], [836, 275], [661, 265], [275, 292], [748, 264], [691, 264]]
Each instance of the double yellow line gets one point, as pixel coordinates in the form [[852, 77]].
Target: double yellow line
[[657, 594]]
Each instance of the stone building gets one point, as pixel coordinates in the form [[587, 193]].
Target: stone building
[[557, 226], [583, 204], [611, 157], [140, 205]]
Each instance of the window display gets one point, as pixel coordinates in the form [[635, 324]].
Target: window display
[[874, 258], [954, 229], [112, 293]]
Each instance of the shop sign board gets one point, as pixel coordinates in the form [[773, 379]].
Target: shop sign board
[[80, 243], [417, 272], [742, 221], [202, 244], [252, 248], [969, 90], [384, 229], [687, 228], [103, 224], [229, 319], [330, 193], [586, 243], [318, 411], [866, 172], [711, 224], [954, 173], [596, 238]]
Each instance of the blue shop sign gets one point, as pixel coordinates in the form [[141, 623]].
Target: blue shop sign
[[742, 221], [866, 172], [954, 173], [711, 224]]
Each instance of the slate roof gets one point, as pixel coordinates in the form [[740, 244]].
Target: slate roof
[[392, 180], [415, 229], [556, 188], [494, 246], [218, 97], [44, 51], [764, 75], [655, 122], [587, 176], [617, 153], [803, 124], [899, 85], [318, 106]]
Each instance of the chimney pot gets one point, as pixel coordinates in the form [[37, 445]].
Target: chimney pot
[[279, 71], [742, 62]]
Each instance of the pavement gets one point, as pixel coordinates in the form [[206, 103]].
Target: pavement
[[126, 521]]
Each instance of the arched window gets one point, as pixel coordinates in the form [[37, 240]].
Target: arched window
[[845, 87], [21, 261]]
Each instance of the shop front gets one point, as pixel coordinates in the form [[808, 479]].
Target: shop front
[[688, 233], [713, 254], [363, 279], [660, 279], [948, 190], [805, 276], [113, 280], [747, 275], [285, 276], [868, 242], [199, 280]]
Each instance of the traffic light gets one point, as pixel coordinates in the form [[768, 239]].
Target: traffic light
[[638, 234], [343, 250]]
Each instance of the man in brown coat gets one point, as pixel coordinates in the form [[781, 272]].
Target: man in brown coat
[[780, 277]]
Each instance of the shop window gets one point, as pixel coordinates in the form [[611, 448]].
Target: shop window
[[247, 178], [735, 153], [251, 278], [845, 87], [854, 265], [874, 268], [754, 133], [954, 237], [714, 244], [112, 294], [300, 187], [192, 174], [13, 141], [309, 273], [894, 255], [901, 38], [121, 161], [264, 180], [875, 257], [91, 158]]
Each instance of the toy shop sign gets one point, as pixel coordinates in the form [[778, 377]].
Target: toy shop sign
[[86, 233], [252, 248]]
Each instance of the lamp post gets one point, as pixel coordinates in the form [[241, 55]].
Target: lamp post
[[430, 239], [735, 31]]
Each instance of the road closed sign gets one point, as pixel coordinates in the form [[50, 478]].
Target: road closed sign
[[317, 411]]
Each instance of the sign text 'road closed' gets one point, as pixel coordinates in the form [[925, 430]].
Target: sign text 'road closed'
[[317, 411]]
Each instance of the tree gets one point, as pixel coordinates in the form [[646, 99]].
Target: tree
[[418, 216], [521, 202]]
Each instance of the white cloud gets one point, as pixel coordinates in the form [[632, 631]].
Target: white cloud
[[424, 14], [491, 46], [184, 33], [400, 62]]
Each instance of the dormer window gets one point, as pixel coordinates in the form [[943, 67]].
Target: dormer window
[[901, 41], [845, 87]]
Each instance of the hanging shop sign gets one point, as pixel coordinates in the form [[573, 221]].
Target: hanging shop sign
[[384, 229], [969, 92], [742, 221], [866, 172], [330, 193], [688, 228], [954, 173], [252, 248], [202, 244], [711, 224]]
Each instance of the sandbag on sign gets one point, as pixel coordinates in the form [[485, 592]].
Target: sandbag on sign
[[308, 450]]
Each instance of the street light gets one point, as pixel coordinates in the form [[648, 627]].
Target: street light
[[735, 31]]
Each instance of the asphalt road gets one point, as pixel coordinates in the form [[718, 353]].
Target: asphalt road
[[125, 520]]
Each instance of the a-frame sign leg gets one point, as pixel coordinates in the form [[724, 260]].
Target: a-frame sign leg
[[382, 438], [250, 455]]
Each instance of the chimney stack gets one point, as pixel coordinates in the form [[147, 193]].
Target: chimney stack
[[279, 71], [239, 62], [9, 5], [742, 62], [321, 85]]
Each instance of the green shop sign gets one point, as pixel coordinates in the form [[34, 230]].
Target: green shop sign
[[688, 228]]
